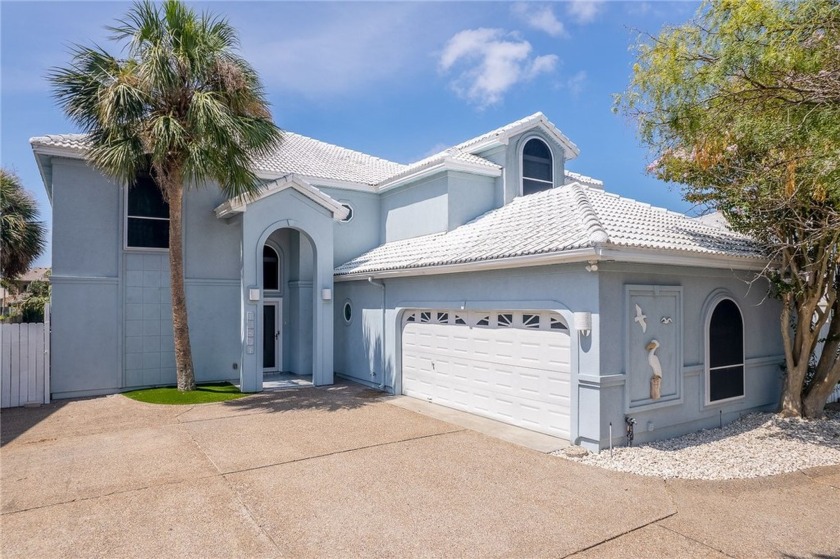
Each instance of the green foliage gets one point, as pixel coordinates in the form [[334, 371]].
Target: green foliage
[[203, 394], [181, 104], [31, 307], [22, 236], [741, 107], [182, 101], [36, 297]]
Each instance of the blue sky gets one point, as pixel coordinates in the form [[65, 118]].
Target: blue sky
[[397, 80]]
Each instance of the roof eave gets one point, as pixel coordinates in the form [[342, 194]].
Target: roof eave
[[239, 204], [265, 174], [568, 256], [438, 167], [673, 257], [571, 150]]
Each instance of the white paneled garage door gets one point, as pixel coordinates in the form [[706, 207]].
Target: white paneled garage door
[[512, 366]]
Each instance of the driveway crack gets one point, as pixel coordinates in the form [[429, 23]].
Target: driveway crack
[[622, 534], [345, 451]]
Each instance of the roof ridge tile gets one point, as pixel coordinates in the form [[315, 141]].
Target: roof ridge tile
[[589, 217]]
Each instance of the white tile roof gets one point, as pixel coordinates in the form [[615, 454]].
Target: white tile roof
[[554, 221], [76, 142], [571, 177], [297, 155], [308, 157]]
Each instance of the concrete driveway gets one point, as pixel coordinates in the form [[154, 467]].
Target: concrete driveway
[[341, 472]]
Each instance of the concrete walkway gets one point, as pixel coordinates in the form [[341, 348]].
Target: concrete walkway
[[341, 472]]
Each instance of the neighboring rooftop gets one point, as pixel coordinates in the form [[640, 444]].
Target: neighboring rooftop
[[556, 221], [34, 274]]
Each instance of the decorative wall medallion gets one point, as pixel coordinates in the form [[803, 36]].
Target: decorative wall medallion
[[640, 318], [656, 366]]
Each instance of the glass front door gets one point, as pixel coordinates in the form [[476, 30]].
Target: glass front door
[[272, 335]]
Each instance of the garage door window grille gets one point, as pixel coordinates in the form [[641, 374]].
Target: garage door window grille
[[557, 324], [531, 321], [526, 320], [504, 320]]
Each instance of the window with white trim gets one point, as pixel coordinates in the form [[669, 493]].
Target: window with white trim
[[271, 269], [537, 167], [147, 215], [725, 366]]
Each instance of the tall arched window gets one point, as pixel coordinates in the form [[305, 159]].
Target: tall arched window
[[537, 167], [271, 269], [725, 357]]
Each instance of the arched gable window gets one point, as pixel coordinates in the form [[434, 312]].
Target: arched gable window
[[271, 269], [725, 353], [537, 167]]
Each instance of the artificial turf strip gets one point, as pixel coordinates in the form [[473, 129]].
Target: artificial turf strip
[[203, 394]]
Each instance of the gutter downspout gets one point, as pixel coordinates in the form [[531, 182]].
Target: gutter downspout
[[381, 285]]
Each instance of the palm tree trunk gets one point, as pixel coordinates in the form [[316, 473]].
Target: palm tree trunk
[[180, 324]]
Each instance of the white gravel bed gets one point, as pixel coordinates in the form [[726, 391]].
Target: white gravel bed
[[758, 444]]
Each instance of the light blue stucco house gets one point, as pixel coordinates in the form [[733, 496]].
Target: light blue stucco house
[[487, 278]]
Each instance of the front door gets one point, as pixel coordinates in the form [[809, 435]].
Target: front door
[[272, 336]]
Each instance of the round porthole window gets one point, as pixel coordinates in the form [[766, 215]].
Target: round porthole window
[[348, 312], [349, 212]]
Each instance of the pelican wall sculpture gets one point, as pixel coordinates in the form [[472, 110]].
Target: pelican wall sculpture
[[656, 366]]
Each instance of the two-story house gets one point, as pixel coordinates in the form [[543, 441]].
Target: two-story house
[[487, 278]]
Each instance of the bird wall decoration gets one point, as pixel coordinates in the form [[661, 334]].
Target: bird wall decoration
[[640, 318], [656, 366]]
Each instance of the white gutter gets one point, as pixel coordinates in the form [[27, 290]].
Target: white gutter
[[577, 255], [599, 253]]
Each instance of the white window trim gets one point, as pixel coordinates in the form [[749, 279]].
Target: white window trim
[[715, 300], [521, 160], [347, 302], [279, 291], [126, 246], [352, 211]]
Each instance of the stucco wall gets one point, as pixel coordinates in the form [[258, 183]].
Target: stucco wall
[[469, 197], [361, 233], [402, 207], [762, 343], [86, 292], [112, 326]]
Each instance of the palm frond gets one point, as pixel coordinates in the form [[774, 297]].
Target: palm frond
[[22, 236]]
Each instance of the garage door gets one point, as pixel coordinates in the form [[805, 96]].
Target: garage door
[[512, 366]]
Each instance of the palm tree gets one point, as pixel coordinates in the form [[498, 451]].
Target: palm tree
[[182, 105], [22, 236]]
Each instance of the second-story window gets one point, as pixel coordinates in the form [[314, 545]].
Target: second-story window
[[537, 167], [147, 215]]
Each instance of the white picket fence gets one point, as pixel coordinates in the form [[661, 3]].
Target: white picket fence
[[25, 363]]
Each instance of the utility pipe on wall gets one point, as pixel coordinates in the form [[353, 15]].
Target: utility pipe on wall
[[381, 285]]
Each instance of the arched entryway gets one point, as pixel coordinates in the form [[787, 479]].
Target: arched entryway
[[290, 226], [285, 341]]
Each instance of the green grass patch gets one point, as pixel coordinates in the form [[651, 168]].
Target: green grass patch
[[203, 394]]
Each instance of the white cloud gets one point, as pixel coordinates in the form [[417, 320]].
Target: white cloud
[[539, 17], [577, 83], [489, 62], [584, 11]]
